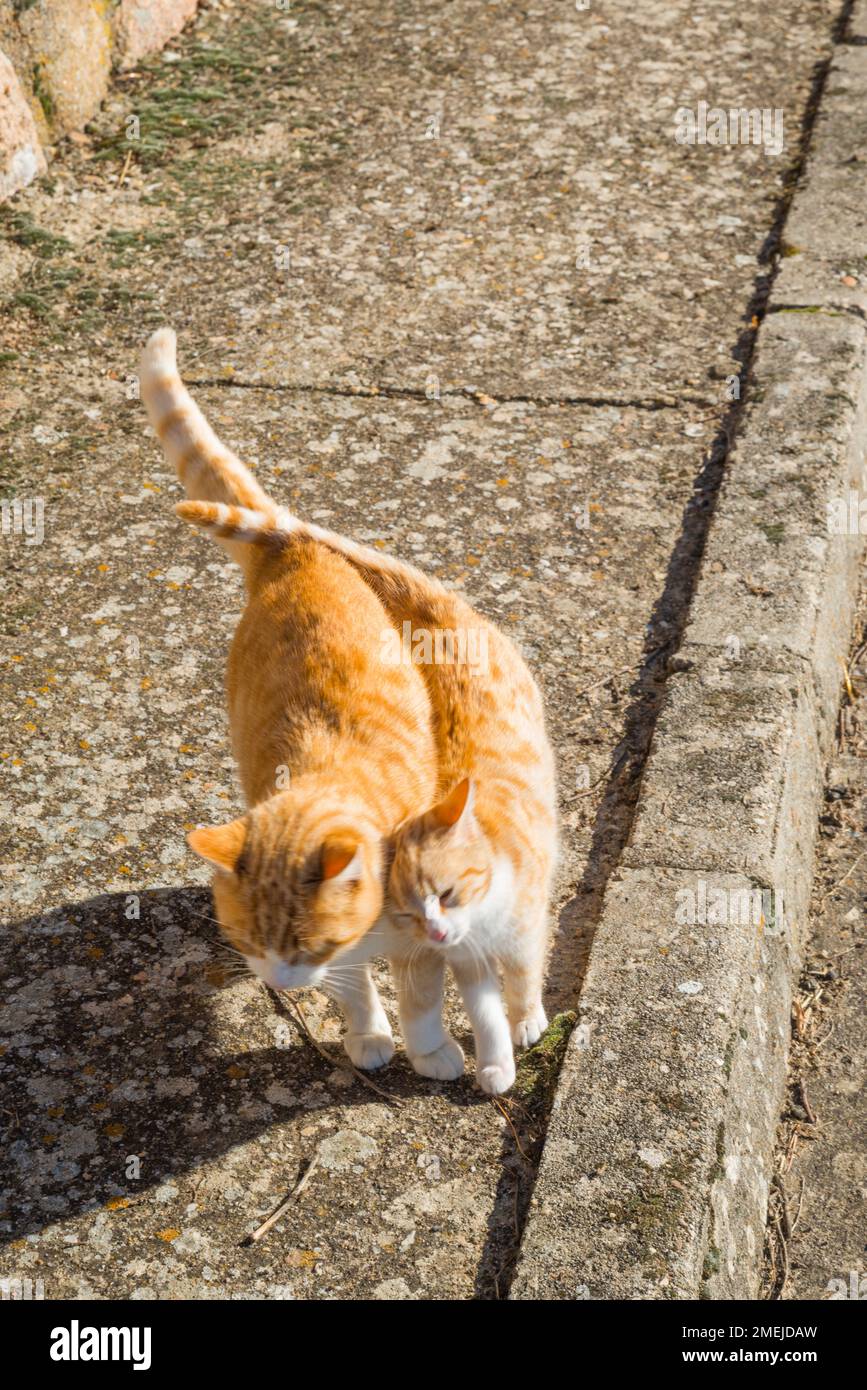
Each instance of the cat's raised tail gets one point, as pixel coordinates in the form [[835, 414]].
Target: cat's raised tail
[[240, 524], [209, 471]]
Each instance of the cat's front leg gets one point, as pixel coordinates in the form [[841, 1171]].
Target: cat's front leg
[[368, 1039], [480, 991], [523, 978], [420, 983]]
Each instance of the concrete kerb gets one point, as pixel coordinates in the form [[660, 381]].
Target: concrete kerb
[[654, 1178]]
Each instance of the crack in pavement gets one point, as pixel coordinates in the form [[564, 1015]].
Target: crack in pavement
[[462, 393]]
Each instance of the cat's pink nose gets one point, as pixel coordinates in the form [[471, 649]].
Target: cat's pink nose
[[435, 931]]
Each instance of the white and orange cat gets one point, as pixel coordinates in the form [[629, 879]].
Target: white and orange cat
[[470, 880], [299, 877]]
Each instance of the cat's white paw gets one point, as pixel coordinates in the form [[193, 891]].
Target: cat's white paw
[[496, 1077], [369, 1050], [530, 1029], [445, 1064]]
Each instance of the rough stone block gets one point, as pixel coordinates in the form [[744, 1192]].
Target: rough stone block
[[70, 43], [21, 157], [146, 26]]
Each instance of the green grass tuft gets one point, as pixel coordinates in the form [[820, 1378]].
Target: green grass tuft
[[23, 231]]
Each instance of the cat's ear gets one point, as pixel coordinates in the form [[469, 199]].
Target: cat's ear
[[455, 811], [220, 845], [342, 862]]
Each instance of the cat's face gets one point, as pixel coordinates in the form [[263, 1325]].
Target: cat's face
[[441, 871], [294, 887]]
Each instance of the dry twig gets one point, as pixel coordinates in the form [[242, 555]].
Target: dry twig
[[507, 1117], [285, 1205], [297, 1013]]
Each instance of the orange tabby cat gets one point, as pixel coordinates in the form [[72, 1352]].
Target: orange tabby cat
[[470, 881], [299, 878]]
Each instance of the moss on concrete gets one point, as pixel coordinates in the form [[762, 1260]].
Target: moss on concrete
[[539, 1067]]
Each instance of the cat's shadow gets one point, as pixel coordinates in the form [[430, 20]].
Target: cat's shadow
[[130, 1058]]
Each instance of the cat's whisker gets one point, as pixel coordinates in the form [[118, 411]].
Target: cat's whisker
[[339, 995], [417, 949], [203, 917], [232, 968], [342, 982], [233, 950]]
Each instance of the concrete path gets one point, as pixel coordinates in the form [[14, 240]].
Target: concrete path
[[447, 276]]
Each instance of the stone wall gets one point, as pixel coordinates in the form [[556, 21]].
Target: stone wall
[[56, 58]]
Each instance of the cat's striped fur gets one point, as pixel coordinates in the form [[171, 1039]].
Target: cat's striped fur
[[299, 878], [471, 878]]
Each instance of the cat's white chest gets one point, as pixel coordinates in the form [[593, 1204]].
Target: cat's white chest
[[491, 920]]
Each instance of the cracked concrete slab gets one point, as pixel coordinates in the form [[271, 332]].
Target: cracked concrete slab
[[407, 195]]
